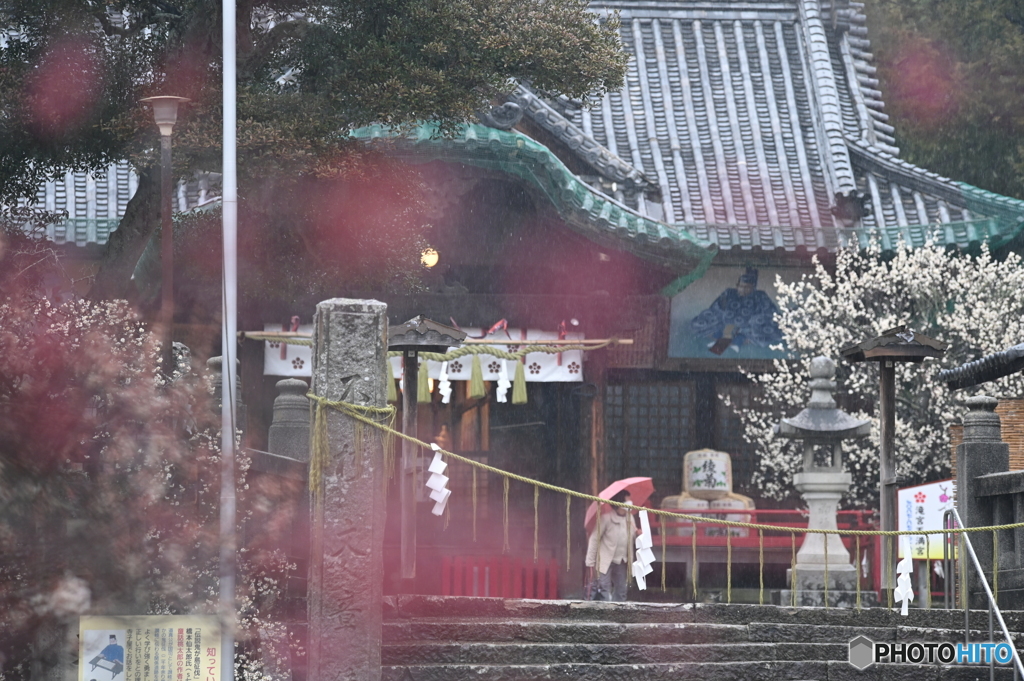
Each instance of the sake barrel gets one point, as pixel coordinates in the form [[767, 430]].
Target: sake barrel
[[707, 474], [682, 503], [734, 502]]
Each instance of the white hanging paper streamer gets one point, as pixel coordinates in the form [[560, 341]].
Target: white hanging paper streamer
[[644, 554], [503, 383], [904, 592], [444, 386], [438, 481]]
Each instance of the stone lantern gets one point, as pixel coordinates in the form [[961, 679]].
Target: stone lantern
[[822, 427]]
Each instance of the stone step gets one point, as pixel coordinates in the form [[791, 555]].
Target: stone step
[[687, 671], [770, 631], [493, 630], [431, 653], [498, 631], [397, 608]]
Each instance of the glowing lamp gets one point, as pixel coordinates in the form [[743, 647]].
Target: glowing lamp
[[429, 257]]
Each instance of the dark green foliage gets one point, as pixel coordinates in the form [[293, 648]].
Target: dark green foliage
[[72, 73], [953, 76]]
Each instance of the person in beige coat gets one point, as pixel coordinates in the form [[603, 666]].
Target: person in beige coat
[[609, 552]]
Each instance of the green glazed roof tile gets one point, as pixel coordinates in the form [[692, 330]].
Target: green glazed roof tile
[[581, 206]]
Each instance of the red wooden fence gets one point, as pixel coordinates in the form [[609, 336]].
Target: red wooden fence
[[499, 576]]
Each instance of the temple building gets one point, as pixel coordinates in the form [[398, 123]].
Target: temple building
[[749, 136]]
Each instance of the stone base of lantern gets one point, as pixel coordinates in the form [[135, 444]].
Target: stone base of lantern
[[816, 599], [810, 588]]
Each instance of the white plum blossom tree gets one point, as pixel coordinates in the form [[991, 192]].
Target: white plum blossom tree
[[974, 303]]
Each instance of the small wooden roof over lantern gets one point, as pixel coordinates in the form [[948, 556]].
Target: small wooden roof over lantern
[[424, 335], [898, 344]]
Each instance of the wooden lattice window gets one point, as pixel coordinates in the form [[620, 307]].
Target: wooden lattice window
[[729, 431], [648, 429]]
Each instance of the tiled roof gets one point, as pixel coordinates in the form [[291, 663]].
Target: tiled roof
[[717, 107], [916, 205], [600, 158], [581, 206], [742, 124], [984, 369], [95, 202], [751, 117]]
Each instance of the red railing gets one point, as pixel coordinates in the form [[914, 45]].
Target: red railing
[[713, 535], [782, 518], [499, 576]]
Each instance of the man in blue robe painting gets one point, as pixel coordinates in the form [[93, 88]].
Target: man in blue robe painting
[[739, 315]]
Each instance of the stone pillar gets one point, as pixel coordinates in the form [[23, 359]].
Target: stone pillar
[[981, 452], [347, 534], [289, 431]]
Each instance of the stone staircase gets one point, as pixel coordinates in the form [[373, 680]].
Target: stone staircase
[[430, 638]]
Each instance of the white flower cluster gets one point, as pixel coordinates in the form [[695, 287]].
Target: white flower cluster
[[976, 304]]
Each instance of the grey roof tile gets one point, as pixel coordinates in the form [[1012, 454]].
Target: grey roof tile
[[602, 159], [751, 116], [95, 202], [744, 118]]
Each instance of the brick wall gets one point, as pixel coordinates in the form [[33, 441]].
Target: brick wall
[[1011, 413]]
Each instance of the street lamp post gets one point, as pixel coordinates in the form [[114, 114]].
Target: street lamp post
[[165, 111]]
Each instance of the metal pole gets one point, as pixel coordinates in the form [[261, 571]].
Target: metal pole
[[887, 464], [988, 592], [229, 343], [407, 480], [166, 257], [948, 576]]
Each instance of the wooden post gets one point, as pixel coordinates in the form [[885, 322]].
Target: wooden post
[[887, 465], [407, 479]]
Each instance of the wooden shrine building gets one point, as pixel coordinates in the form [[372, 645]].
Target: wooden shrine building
[[749, 137]]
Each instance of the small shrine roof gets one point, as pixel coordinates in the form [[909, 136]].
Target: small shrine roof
[[899, 343]]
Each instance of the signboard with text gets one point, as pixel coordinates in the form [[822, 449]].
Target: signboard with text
[[149, 648], [922, 508]]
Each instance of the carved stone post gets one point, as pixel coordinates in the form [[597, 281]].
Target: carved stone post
[[981, 452], [346, 554]]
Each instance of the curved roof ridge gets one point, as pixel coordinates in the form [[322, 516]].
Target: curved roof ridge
[[584, 208], [850, 25], [829, 107], [602, 159], [986, 216], [880, 161]]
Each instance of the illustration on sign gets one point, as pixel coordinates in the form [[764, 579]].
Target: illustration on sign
[[921, 508], [729, 313], [149, 648]]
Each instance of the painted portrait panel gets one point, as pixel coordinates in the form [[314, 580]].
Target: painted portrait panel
[[728, 314]]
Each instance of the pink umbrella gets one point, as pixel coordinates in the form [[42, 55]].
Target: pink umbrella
[[640, 490]]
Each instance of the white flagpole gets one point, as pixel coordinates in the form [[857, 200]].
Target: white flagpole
[[229, 344]]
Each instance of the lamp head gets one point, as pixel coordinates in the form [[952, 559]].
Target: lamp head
[[165, 111]]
